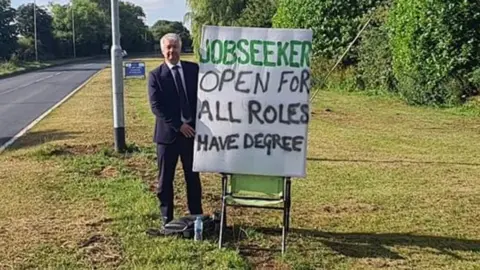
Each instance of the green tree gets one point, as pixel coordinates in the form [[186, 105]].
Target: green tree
[[258, 13], [334, 23], [90, 27], [25, 26], [436, 48], [8, 38], [162, 27], [213, 12], [134, 32]]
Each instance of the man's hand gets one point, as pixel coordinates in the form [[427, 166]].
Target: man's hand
[[187, 130]]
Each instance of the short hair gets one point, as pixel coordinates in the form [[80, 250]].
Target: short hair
[[171, 36]]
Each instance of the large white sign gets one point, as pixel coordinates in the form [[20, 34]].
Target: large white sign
[[253, 110]]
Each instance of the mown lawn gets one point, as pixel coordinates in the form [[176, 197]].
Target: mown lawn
[[389, 186]]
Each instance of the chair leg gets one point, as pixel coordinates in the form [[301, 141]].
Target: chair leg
[[286, 214], [289, 202], [284, 231], [223, 217]]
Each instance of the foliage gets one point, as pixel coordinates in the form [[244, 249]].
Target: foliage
[[375, 72], [8, 38], [26, 48], [25, 25], [334, 23], [162, 27], [133, 30], [213, 12], [258, 13], [435, 45], [475, 79]]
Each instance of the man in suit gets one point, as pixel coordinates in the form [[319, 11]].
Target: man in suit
[[172, 92]]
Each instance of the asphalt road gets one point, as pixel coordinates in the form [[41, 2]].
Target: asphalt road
[[25, 97]]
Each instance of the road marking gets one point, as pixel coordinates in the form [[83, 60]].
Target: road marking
[[28, 84], [34, 122]]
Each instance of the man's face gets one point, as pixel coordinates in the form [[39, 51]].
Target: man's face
[[171, 50]]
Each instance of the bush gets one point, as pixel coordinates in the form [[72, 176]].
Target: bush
[[435, 47], [475, 80], [375, 72], [334, 23]]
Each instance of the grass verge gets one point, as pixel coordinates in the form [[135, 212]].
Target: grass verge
[[388, 186]]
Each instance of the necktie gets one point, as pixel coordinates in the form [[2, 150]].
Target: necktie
[[181, 93]]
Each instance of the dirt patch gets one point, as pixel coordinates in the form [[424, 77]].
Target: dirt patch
[[101, 249], [350, 206], [72, 150], [109, 172], [384, 263]]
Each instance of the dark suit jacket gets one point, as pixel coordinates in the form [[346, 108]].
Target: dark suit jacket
[[165, 102]]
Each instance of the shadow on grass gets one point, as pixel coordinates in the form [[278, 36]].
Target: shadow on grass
[[37, 138], [393, 161], [372, 245]]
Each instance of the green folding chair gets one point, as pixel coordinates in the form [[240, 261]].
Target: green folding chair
[[255, 191]]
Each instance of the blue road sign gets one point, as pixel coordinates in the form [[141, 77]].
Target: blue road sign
[[135, 69]]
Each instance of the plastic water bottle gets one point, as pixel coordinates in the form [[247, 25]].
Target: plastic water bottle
[[198, 229]]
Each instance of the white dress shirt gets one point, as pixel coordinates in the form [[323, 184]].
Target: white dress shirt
[[180, 70]]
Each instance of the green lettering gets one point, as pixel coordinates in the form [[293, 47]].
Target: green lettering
[[215, 53], [229, 50], [254, 52], [306, 51], [244, 51], [207, 52], [267, 53], [282, 53], [293, 53]]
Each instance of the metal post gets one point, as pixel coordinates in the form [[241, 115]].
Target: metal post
[[73, 31], [117, 81], [35, 27]]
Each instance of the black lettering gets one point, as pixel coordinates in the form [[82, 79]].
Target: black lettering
[[277, 140], [292, 111], [205, 109], [231, 141], [258, 141], [305, 117], [271, 142], [294, 84], [305, 81], [223, 142], [297, 143], [286, 140], [254, 107], [240, 82], [202, 86], [270, 110], [258, 81], [283, 80], [248, 141], [281, 115], [268, 142], [219, 117], [214, 143], [202, 142], [230, 114], [224, 79]]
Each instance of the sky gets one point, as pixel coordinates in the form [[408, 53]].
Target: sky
[[171, 10]]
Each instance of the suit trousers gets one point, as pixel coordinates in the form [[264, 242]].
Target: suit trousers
[[167, 157]]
